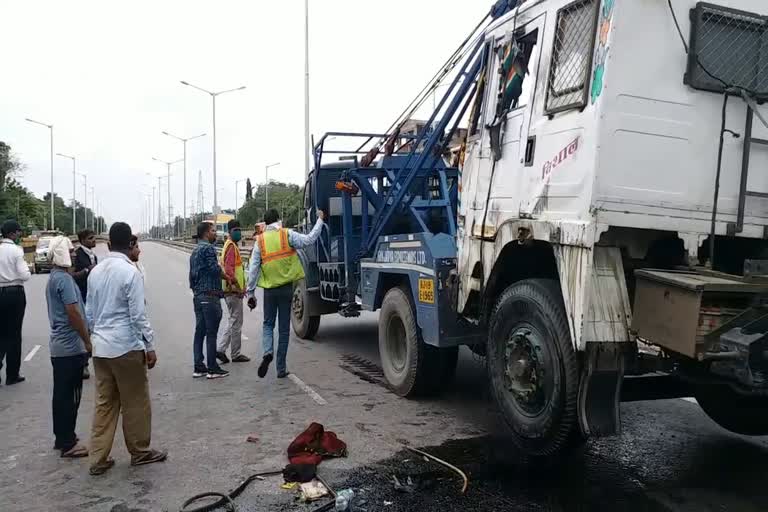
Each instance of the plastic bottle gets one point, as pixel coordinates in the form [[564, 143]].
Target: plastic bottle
[[344, 499]]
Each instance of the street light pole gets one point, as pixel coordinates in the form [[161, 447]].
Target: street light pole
[[213, 99], [85, 200], [93, 209], [266, 173], [237, 182], [184, 142], [307, 148], [168, 174], [50, 127], [74, 193]]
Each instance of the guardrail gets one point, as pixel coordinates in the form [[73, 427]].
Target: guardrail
[[189, 247]]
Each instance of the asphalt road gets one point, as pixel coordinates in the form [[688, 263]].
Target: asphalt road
[[669, 458]]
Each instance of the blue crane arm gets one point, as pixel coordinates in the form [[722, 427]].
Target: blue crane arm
[[465, 81]]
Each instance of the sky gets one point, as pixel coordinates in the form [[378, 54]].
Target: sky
[[107, 76]]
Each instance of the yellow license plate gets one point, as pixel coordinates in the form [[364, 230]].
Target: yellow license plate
[[427, 291]]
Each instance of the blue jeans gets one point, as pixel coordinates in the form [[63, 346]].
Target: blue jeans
[[277, 303], [207, 320]]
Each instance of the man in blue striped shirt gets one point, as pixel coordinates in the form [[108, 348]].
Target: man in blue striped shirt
[[205, 275]]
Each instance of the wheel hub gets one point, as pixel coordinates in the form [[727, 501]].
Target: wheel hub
[[397, 345], [524, 370]]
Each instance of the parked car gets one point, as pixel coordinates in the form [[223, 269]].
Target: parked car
[[42, 263]]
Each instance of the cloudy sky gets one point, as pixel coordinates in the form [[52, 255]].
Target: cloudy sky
[[107, 74]]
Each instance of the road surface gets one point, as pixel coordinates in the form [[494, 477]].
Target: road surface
[[670, 457]]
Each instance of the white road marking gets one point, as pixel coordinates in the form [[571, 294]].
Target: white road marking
[[245, 338], [308, 390], [690, 399], [32, 353]]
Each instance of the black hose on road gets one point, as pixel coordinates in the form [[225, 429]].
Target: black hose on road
[[226, 500]]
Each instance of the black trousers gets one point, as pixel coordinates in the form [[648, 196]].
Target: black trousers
[[67, 390], [13, 302]]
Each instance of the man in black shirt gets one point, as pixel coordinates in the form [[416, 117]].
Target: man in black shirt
[[85, 260]]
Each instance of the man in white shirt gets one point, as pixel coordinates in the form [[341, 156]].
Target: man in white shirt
[[13, 302], [123, 350]]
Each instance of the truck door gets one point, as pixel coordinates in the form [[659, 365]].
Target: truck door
[[498, 146]]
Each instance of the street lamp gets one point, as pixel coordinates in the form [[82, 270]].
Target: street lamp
[[237, 182], [50, 127], [74, 194], [168, 168], [184, 141], [93, 208], [266, 173], [85, 201], [213, 98]]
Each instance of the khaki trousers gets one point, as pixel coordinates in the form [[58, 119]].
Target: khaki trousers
[[121, 384]]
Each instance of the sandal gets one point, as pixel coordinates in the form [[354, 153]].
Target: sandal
[[102, 467], [150, 457], [76, 452]]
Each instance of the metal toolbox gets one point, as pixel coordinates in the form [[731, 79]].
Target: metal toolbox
[[676, 310]]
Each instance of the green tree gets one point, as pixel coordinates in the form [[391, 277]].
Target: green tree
[[16, 202], [285, 198]]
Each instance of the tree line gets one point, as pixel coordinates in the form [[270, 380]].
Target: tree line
[[33, 213]]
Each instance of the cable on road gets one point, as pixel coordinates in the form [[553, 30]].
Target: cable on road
[[446, 464], [225, 500]]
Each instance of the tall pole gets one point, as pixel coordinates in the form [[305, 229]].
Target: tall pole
[[74, 191], [266, 175], [50, 128], [85, 200], [93, 209], [237, 182], [215, 193], [168, 186], [159, 212], [213, 98], [307, 148], [184, 141], [151, 208]]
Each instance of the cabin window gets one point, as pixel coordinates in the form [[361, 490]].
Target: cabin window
[[476, 113], [567, 84]]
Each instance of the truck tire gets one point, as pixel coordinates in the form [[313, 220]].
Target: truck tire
[[304, 325], [411, 367], [740, 414], [533, 368]]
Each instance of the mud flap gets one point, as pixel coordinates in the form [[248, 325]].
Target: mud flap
[[600, 389]]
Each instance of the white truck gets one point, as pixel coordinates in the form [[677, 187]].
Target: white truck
[[610, 221]]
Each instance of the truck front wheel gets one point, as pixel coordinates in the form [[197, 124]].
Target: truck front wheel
[[745, 415], [533, 368], [410, 366], [304, 325]]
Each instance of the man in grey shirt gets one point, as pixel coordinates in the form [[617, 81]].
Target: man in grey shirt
[[70, 344]]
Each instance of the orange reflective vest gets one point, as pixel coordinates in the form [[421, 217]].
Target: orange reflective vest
[[280, 265], [239, 269]]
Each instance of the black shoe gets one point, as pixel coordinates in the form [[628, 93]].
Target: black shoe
[[222, 357], [217, 374], [283, 374], [241, 359], [200, 372], [264, 366], [11, 382]]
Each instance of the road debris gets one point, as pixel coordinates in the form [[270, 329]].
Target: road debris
[[313, 491], [446, 464]]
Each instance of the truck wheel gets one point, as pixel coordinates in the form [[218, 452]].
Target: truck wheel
[[740, 414], [410, 366], [304, 325], [533, 368]]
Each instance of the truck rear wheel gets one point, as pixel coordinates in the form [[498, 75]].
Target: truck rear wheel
[[740, 414], [410, 366], [533, 368], [304, 325]]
